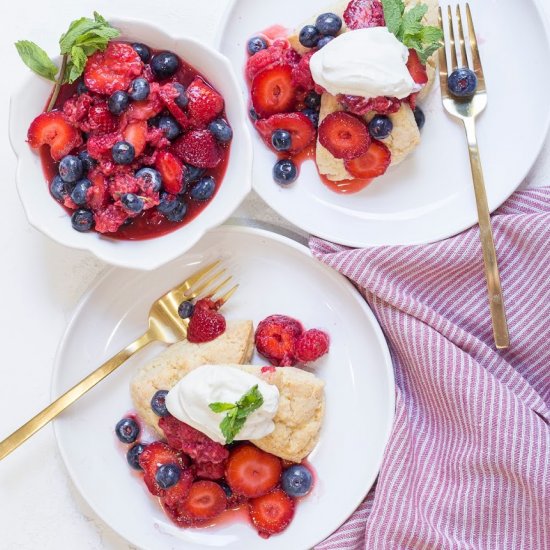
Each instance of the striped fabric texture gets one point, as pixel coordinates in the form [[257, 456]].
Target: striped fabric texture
[[468, 461]]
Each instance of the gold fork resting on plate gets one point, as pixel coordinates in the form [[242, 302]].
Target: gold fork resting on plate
[[466, 110], [165, 325]]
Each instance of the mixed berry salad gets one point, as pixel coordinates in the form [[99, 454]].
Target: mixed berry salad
[[137, 145]]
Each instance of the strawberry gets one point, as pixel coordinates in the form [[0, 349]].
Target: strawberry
[[372, 164], [362, 14], [171, 169], [273, 91], [205, 501], [276, 338], [168, 95], [136, 134], [112, 69], [279, 53], [205, 104], [199, 148], [53, 129], [344, 135], [416, 68], [97, 196], [271, 513], [299, 125], [156, 454], [175, 495], [148, 108], [251, 472], [311, 345], [362, 105], [100, 119], [206, 324]]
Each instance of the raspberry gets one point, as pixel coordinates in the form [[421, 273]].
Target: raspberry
[[311, 345], [110, 219], [100, 146], [361, 106], [199, 148], [362, 14], [206, 324], [122, 184], [301, 74], [157, 138], [210, 470], [76, 109], [100, 119], [269, 58]]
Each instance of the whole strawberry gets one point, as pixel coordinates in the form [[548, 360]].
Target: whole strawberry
[[206, 323]]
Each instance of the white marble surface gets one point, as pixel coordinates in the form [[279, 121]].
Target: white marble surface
[[41, 283]]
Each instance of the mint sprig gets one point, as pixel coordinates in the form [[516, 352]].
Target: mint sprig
[[238, 412], [407, 26]]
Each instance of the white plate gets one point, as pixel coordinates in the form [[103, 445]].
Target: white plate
[[277, 275], [430, 195]]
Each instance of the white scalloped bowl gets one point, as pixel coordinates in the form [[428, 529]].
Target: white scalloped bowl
[[47, 216]]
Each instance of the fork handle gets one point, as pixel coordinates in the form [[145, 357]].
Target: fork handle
[[496, 299], [68, 398]]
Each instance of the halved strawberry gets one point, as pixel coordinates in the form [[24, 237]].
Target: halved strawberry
[[273, 91], [205, 104], [168, 94], [136, 134], [156, 454], [299, 125], [97, 196], [205, 501], [252, 472], [52, 129], [362, 14], [372, 164], [112, 69], [276, 338], [344, 135], [416, 68], [271, 513], [199, 148], [171, 169]]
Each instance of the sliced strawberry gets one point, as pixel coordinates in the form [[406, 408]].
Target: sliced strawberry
[[205, 104], [344, 135], [136, 134], [251, 472], [53, 129], [199, 148], [416, 68], [171, 169], [276, 338], [372, 164], [168, 95], [299, 125], [271, 513], [205, 501], [362, 14], [112, 69], [156, 454], [97, 196], [273, 91]]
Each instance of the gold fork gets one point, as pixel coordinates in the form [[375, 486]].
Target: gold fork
[[165, 325], [466, 110]]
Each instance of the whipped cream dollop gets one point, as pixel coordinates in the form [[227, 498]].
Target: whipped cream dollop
[[365, 62], [190, 398]]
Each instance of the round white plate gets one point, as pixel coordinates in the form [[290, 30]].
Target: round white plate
[[277, 275], [430, 195]]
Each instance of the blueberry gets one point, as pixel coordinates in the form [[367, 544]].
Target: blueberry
[[324, 41], [328, 24], [164, 64], [82, 220], [281, 140], [132, 203], [253, 114], [169, 126], [123, 152], [127, 430], [309, 36], [78, 194], [132, 456], [81, 88], [221, 130], [420, 117], [256, 44], [313, 101], [203, 189], [142, 50], [177, 213], [181, 100], [186, 309], [226, 489], [462, 82], [158, 403], [70, 168], [152, 178], [57, 189], [168, 475], [139, 89], [285, 172], [312, 115], [87, 161], [118, 102], [380, 127], [296, 481], [192, 173], [167, 203]]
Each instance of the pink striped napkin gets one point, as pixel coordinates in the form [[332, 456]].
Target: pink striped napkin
[[468, 461]]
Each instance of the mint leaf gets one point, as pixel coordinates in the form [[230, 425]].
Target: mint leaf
[[431, 34], [393, 11], [427, 52], [221, 407], [36, 59]]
